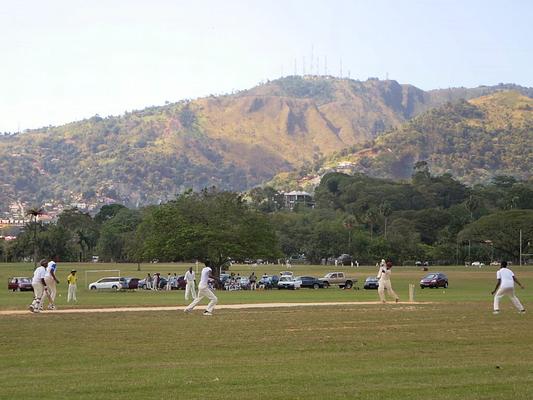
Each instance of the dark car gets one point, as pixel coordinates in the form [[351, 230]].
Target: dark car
[[19, 284], [371, 283], [181, 283], [131, 283], [311, 282], [344, 259], [434, 280]]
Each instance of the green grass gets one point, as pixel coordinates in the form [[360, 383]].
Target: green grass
[[470, 284], [453, 348]]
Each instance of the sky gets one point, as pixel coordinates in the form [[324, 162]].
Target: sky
[[65, 60]]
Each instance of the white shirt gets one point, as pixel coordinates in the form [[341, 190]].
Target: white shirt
[[189, 277], [204, 280], [38, 274], [51, 267], [506, 276], [384, 274]]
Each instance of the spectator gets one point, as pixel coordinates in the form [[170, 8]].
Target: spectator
[[168, 286], [148, 281], [253, 280]]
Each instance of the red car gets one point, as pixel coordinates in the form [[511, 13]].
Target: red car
[[434, 280], [19, 284]]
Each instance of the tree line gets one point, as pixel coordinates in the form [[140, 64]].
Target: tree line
[[428, 218]]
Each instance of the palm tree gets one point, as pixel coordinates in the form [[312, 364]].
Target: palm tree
[[35, 212], [349, 222], [385, 211]]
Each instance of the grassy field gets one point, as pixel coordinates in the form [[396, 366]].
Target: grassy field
[[449, 349]]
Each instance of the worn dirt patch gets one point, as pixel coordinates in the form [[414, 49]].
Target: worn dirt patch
[[218, 307]]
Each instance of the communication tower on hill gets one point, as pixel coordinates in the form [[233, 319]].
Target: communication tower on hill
[[312, 58]]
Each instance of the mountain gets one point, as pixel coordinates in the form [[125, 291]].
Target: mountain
[[233, 141], [473, 140]]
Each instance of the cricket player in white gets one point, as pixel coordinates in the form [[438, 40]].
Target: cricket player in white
[[51, 282], [38, 284], [190, 290], [204, 291], [384, 281], [505, 286]]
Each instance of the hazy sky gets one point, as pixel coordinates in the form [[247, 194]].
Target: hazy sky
[[64, 60]]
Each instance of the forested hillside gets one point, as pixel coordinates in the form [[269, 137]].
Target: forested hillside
[[474, 140], [235, 141]]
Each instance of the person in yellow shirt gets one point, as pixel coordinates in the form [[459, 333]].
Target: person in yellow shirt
[[72, 279]]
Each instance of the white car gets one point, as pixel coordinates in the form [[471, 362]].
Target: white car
[[477, 264], [114, 282], [288, 282]]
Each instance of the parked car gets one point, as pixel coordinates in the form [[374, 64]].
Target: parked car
[[268, 282], [288, 282], [244, 282], [434, 280], [338, 278], [310, 282], [114, 283], [477, 264], [19, 284], [422, 264], [180, 284], [131, 283], [371, 283], [344, 259], [298, 259]]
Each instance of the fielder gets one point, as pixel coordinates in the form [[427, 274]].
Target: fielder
[[204, 291], [384, 281], [505, 286], [72, 286], [190, 290], [38, 284]]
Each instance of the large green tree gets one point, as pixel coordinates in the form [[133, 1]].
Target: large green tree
[[501, 230], [209, 226]]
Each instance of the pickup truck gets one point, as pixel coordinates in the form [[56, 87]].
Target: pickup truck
[[339, 279]]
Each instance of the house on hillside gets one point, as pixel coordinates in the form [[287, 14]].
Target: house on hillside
[[291, 199]]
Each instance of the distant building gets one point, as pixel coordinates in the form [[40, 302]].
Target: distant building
[[293, 198]]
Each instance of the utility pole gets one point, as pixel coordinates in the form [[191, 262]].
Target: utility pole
[[312, 58], [520, 247]]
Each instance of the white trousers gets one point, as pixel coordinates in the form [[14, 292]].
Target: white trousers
[[204, 292], [190, 291], [38, 291], [71, 293], [509, 291], [51, 288], [381, 290]]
